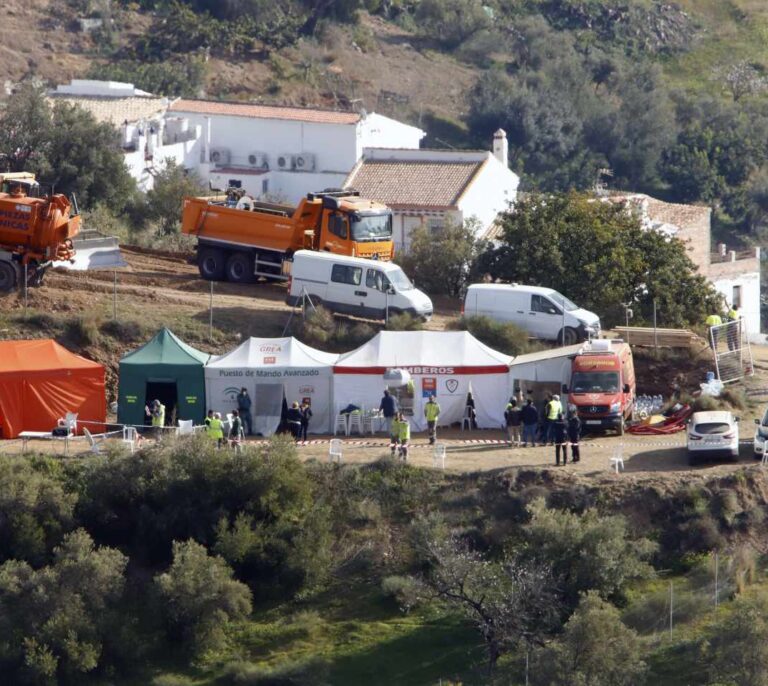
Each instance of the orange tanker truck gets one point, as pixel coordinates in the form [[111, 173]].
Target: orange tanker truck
[[35, 232], [239, 239]]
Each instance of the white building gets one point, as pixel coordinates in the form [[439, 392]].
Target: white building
[[734, 274], [149, 139], [432, 187], [284, 152]]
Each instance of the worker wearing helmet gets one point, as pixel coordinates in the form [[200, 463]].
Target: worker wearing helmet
[[215, 430], [157, 413]]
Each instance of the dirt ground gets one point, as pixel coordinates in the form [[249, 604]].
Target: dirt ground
[[166, 287]]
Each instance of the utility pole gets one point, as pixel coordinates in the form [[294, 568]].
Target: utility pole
[[210, 316], [717, 598], [671, 605]]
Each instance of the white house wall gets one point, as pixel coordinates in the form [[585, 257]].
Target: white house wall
[[750, 299], [491, 191], [379, 131]]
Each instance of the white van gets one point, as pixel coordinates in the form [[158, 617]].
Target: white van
[[542, 312], [355, 285]]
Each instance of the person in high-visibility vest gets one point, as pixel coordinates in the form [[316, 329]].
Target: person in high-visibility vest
[[215, 430], [734, 328], [157, 412], [432, 412], [712, 320], [403, 435], [553, 409]]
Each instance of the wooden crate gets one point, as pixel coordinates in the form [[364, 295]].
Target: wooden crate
[[663, 338]]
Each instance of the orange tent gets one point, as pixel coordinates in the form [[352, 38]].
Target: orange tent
[[40, 381]]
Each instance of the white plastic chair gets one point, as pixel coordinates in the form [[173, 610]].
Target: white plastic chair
[[94, 442], [438, 455], [467, 419], [130, 436], [355, 423], [334, 450], [617, 461], [369, 420], [764, 461], [69, 422], [186, 427], [341, 424]]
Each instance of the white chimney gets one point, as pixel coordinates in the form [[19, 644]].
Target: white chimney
[[501, 147]]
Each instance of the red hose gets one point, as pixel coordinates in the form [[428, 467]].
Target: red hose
[[670, 425]]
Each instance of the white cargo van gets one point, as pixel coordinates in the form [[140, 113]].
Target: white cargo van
[[355, 285], [542, 312]]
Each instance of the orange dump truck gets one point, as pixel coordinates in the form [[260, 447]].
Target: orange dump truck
[[35, 232], [240, 239]]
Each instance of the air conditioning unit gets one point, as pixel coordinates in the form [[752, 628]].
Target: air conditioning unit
[[258, 160], [286, 161], [220, 156], [305, 161]]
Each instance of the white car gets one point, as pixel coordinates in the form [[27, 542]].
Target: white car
[[761, 436], [713, 433]]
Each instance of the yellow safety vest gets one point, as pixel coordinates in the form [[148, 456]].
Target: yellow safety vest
[[404, 430], [713, 320], [553, 409], [733, 315], [431, 411], [215, 428], [159, 418]]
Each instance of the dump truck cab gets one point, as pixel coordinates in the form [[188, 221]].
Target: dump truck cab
[[17, 183]]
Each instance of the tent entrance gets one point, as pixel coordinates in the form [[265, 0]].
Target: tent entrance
[[166, 393], [267, 408]]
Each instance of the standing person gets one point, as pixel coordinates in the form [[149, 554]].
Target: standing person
[[560, 436], [713, 319], [207, 420], [543, 414], [554, 410], [215, 429], [394, 434], [734, 328], [157, 413], [293, 418], [403, 435], [431, 413], [388, 407], [236, 431], [244, 409], [513, 418], [306, 415], [574, 433], [530, 418], [471, 413]]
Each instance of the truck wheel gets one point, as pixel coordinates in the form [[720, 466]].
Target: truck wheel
[[210, 262], [240, 268], [7, 276], [568, 336]]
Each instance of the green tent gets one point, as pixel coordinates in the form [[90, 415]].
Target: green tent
[[166, 369]]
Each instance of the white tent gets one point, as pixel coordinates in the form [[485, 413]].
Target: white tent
[[272, 369], [446, 363], [544, 367]]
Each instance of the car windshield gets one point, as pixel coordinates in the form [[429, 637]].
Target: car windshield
[[371, 227], [563, 301], [595, 382], [712, 428], [399, 280]]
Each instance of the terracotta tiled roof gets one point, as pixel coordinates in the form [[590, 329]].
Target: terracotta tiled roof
[[664, 212], [235, 109], [116, 110], [435, 185]]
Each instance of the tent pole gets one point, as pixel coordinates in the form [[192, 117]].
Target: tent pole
[[114, 294], [210, 315]]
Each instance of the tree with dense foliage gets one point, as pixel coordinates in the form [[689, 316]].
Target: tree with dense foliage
[[55, 620], [586, 551], [596, 649], [200, 596], [445, 270], [502, 336], [599, 255], [65, 147], [165, 198]]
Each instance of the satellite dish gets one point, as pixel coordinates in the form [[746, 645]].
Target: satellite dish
[[395, 378]]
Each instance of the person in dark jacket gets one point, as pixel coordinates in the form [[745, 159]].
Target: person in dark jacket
[[293, 419], [574, 433], [530, 418], [306, 415], [388, 407], [236, 431], [244, 409], [559, 430], [512, 414]]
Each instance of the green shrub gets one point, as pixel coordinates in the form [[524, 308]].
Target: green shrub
[[83, 330], [706, 403], [502, 336], [404, 322], [127, 331], [300, 672], [735, 397]]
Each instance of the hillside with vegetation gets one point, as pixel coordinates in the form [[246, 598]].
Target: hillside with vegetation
[[671, 97]]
